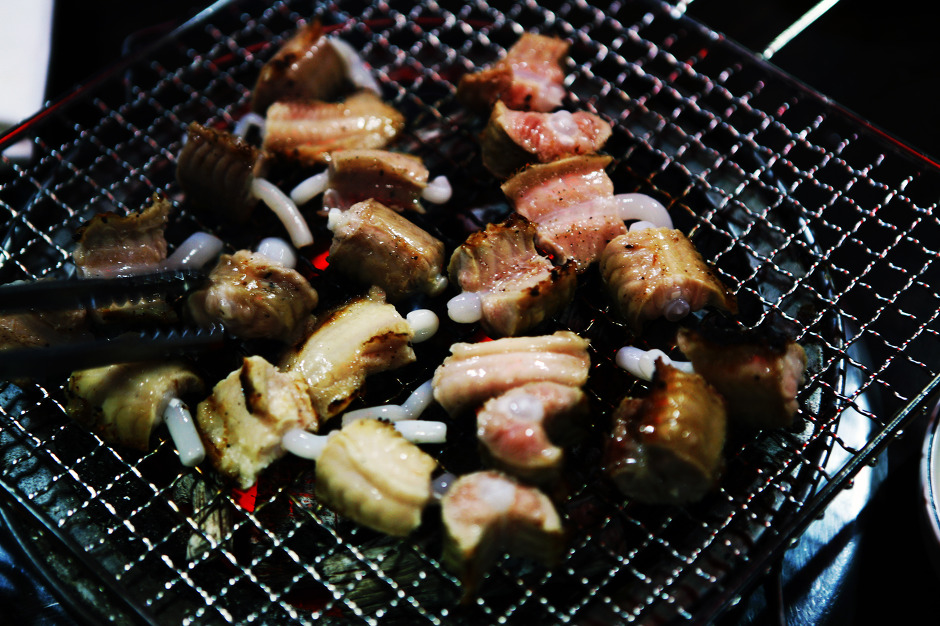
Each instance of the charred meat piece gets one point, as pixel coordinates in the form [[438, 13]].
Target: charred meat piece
[[528, 78], [253, 297], [244, 420], [657, 272], [759, 375], [523, 430], [571, 203], [124, 403], [371, 474], [215, 170], [475, 372], [515, 139], [487, 514], [304, 132], [518, 288], [391, 178], [360, 338], [666, 448], [40, 329], [376, 246]]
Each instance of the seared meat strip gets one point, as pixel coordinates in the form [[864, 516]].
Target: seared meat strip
[[759, 375], [124, 403], [657, 272], [475, 372], [243, 421], [376, 246], [371, 474], [254, 297], [391, 178], [303, 132], [40, 329], [522, 431], [518, 288], [528, 78], [571, 202], [666, 448], [362, 337], [514, 139], [487, 514]]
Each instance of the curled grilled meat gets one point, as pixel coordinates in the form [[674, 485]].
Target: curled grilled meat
[[124, 403], [487, 514], [758, 375], [528, 78], [475, 372], [244, 420], [254, 297], [666, 448], [518, 288], [657, 272], [363, 337], [371, 474], [304, 132], [40, 329], [515, 139], [376, 246], [394, 179]]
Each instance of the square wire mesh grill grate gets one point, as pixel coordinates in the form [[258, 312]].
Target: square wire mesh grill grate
[[808, 215]]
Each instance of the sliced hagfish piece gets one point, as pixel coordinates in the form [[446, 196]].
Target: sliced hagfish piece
[[285, 209], [196, 251], [642, 363]]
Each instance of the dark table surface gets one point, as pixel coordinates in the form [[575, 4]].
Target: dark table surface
[[875, 59]]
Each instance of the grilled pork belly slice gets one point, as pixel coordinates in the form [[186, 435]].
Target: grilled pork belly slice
[[371, 474], [394, 179], [303, 132], [666, 448], [571, 202], [758, 374], [515, 139], [487, 514], [254, 297], [363, 337], [475, 372], [376, 246], [124, 403], [215, 170], [528, 78], [518, 288], [657, 272], [522, 431], [244, 420]]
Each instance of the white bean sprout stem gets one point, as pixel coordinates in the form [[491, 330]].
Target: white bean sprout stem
[[642, 363], [356, 68], [278, 251], [197, 250], [419, 400], [465, 308], [183, 431], [246, 122], [285, 209], [438, 191], [638, 206], [424, 324], [309, 188]]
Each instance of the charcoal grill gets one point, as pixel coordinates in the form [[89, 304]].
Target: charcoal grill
[[816, 220]]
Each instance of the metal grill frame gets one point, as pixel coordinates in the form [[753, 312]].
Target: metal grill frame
[[808, 212]]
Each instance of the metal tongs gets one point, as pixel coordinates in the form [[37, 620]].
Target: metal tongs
[[91, 293]]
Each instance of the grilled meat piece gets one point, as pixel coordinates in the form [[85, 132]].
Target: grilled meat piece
[[487, 514], [362, 337], [518, 287], [666, 448], [254, 297], [124, 403], [759, 376], [657, 272], [571, 202], [376, 246], [40, 329], [244, 420], [515, 139], [475, 372], [522, 431], [391, 178], [371, 474], [215, 170], [304, 132], [528, 78]]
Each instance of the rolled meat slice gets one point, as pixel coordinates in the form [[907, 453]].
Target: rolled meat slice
[[475, 372], [487, 514], [666, 448], [515, 139], [528, 78], [371, 474], [657, 272], [244, 420], [517, 287], [392, 178]]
